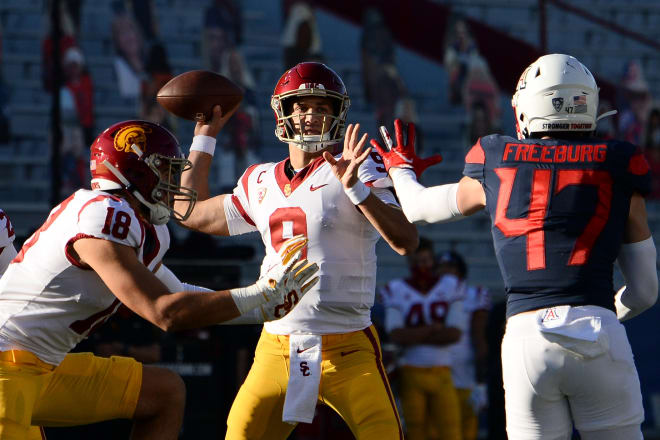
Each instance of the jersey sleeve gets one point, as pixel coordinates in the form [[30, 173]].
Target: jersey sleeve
[[638, 173], [110, 219], [475, 161], [7, 235], [237, 208], [373, 173]]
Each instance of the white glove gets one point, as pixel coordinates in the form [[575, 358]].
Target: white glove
[[282, 286], [479, 397]]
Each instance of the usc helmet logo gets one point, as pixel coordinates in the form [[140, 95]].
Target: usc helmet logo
[[132, 134]]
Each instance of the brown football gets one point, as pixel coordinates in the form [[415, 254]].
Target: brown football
[[193, 94]]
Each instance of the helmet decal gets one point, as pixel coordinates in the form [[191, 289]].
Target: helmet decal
[[129, 135], [151, 174]]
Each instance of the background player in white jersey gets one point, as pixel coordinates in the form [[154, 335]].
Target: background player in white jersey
[[469, 354], [423, 315], [100, 248], [343, 206], [564, 206]]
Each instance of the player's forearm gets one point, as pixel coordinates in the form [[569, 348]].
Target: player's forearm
[[172, 282], [392, 225], [197, 177], [188, 309]]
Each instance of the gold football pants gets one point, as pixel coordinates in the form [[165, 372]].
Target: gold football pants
[[353, 383], [83, 389], [429, 403]]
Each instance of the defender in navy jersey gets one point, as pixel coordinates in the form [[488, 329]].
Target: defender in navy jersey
[[558, 209], [564, 207]]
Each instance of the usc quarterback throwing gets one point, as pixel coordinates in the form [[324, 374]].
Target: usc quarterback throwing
[[326, 349]]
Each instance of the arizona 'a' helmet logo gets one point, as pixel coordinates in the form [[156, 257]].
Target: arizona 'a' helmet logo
[[132, 134]]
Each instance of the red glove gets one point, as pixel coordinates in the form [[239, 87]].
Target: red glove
[[403, 155]]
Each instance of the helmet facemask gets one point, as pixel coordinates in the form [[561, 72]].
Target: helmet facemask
[[167, 190], [332, 126]]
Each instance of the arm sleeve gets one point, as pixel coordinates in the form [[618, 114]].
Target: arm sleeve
[[638, 265], [420, 204]]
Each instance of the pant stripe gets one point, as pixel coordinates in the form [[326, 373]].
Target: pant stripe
[[379, 364]]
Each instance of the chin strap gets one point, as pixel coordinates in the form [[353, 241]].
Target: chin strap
[[158, 215]]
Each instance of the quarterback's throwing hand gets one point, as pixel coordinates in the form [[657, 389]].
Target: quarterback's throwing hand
[[402, 155], [287, 281]]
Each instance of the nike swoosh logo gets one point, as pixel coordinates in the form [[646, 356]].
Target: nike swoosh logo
[[304, 349], [314, 188], [346, 353]]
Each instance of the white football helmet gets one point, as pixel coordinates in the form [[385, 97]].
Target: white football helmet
[[556, 93]]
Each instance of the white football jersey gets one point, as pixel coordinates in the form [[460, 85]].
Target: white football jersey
[[417, 309], [341, 240], [7, 236], [463, 368], [48, 302]]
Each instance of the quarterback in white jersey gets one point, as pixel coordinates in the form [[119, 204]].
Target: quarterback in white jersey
[[7, 236], [423, 314], [343, 204], [97, 249]]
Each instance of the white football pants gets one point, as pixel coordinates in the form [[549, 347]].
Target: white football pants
[[552, 381]]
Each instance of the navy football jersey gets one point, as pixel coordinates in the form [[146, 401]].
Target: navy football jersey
[[558, 210]]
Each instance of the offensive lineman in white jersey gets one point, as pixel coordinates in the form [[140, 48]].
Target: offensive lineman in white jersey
[[98, 249], [424, 316], [342, 205]]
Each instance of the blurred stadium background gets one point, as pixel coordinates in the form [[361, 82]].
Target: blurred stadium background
[[448, 65]]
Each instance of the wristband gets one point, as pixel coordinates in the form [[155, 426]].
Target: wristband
[[358, 193], [248, 298], [203, 143]]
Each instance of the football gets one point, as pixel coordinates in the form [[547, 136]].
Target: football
[[193, 94]]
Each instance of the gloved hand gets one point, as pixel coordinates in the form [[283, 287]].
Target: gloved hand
[[403, 155], [282, 286], [287, 282]]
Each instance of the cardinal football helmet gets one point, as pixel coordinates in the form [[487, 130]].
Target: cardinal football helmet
[[144, 159], [555, 93], [310, 79]]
